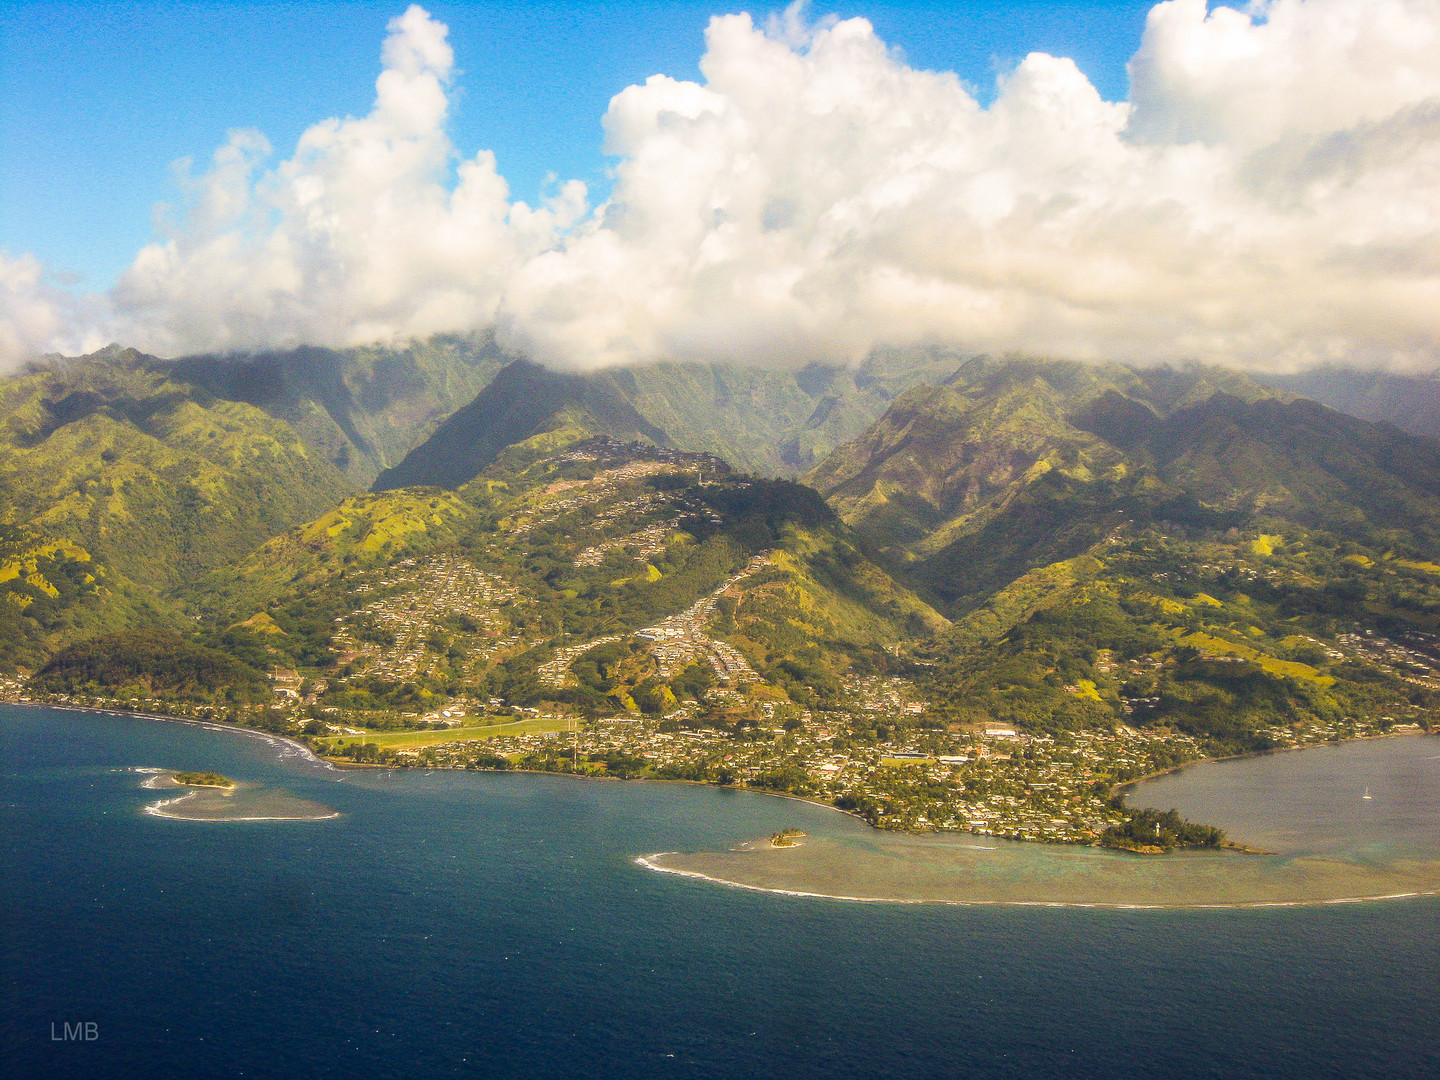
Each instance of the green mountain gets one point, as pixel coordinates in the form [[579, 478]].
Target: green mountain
[[1177, 544], [52, 591], [578, 572], [769, 422], [363, 408], [945, 459], [1410, 402], [148, 472], [155, 478], [1043, 544], [774, 423], [366, 408], [118, 483], [522, 401], [149, 664]]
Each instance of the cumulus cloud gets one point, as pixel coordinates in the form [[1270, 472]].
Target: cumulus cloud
[[1267, 197], [362, 235], [36, 317]]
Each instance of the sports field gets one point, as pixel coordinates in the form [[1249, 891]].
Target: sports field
[[407, 740]]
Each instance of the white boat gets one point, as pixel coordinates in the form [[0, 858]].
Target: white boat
[[1367, 794]]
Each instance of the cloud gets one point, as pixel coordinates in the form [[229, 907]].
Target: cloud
[[36, 317], [362, 235], [1265, 198]]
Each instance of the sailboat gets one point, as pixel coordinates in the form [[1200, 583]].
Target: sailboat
[[1367, 794]]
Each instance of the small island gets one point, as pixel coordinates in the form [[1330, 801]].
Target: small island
[[787, 838], [208, 796], [1151, 832], [203, 779]]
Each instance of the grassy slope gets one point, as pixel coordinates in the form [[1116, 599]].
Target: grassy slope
[[145, 481], [1214, 538], [360, 533], [1220, 635], [512, 523], [52, 592], [362, 408]]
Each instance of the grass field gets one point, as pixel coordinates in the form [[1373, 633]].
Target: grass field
[[408, 740], [905, 763], [1268, 664]]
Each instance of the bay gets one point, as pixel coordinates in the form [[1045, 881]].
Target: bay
[[458, 924]]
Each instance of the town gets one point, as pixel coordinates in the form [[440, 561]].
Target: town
[[410, 680], [990, 781]]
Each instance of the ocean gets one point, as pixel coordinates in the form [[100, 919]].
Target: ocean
[[494, 925]]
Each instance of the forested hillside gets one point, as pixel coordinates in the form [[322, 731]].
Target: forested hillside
[[363, 408], [119, 483], [1160, 547], [770, 422], [1178, 549], [523, 400]]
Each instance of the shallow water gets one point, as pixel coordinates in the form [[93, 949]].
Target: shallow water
[[240, 802], [497, 926], [1312, 802], [1327, 843]]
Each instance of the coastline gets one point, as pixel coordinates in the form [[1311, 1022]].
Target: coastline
[[173, 808], [343, 765], [211, 725], [207, 794], [1122, 789], [646, 862]]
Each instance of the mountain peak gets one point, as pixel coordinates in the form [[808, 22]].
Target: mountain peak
[[524, 400]]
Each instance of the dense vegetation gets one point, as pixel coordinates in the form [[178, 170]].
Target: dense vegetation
[[774, 423], [150, 664], [1150, 830], [1161, 548], [156, 479], [362, 408], [203, 779], [1056, 548], [819, 606]]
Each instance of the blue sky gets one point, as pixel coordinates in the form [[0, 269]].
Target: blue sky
[[1250, 185], [97, 100]]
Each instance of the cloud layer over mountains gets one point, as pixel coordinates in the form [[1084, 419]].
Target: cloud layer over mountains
[[1269, 197]]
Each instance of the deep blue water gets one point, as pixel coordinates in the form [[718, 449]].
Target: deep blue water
[[491, 925]]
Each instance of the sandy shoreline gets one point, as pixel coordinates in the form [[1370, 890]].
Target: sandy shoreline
[[211, 796], [937, 870], [160, 810]]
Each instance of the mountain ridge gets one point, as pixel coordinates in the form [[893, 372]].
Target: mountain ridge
[[1181, 538], [523, 400]]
